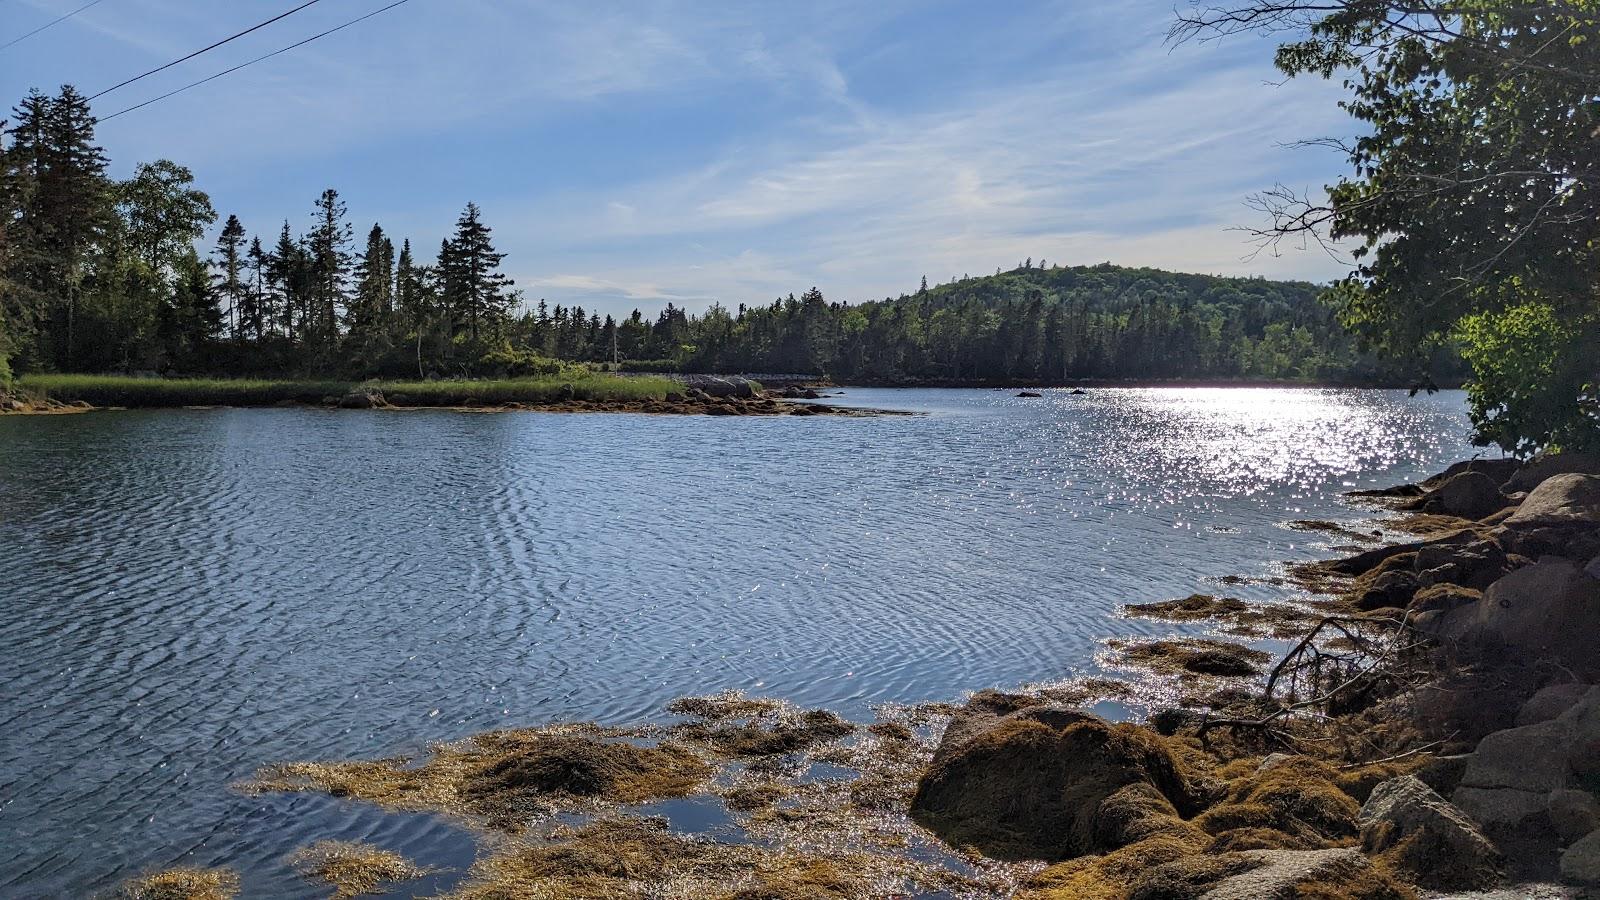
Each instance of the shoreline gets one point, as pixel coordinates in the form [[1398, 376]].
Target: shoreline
[[710, 396], [1346, 776]]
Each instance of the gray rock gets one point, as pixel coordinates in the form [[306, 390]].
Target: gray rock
[[1571, 499], [1405, 807], [362, 398], [1281, 872], [1550, 609], [1580, 864], [1550, 702], [1512, 773], [1573, 813], [1593, 568], [1273, 761], [1510, 776]]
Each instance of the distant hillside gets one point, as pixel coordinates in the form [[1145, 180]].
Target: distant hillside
[[1039, 325]]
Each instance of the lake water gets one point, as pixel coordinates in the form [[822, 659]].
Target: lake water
[[185, 595]]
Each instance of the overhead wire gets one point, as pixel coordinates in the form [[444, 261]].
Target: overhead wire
[[162, 68], [252, 62], [56, 21]]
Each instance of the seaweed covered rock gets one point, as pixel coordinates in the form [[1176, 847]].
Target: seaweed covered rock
[[1419, 833], [182, 884], [1298, 797], [1474, 563], [1031, 784]]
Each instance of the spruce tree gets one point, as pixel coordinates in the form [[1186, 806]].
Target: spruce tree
[[230, 278], [328, 251], [475, 292]]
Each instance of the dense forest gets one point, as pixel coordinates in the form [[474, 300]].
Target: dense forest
[[100, 275]]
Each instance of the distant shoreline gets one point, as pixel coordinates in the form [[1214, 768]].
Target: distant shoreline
[[579, 393]]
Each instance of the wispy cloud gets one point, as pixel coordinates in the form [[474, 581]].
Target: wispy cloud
[[666, 150]]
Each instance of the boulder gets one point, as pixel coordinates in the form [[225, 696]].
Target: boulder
[[1593, 568], [1550, 702], [1535, 471], [1550, 609], [1469, 495], [1512, 774], [1571, 499], [1029, 784], [1427, 836], [1029, 394], [1580, 863], [1279, 874], [1573, 814], [732, 386]]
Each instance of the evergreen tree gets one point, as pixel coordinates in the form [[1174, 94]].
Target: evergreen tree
[[231, 283], [475, 293], [257, 313], [328, 257]]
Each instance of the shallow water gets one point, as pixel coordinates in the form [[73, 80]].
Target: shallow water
[[190, 594]]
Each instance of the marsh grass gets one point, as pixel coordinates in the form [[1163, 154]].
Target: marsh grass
[[135, 392]]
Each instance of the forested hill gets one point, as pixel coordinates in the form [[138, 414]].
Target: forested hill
[[1043, 325]]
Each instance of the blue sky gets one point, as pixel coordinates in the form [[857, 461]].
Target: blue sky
[[629, 154]]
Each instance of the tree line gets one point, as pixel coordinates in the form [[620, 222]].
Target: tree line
[[100, 275], [103, 275]]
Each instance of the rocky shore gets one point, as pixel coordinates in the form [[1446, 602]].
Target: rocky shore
[[1433, 730]]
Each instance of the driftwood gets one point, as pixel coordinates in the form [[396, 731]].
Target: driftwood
[[1337, 667]]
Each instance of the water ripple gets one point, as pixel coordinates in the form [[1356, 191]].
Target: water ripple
[[190, 594]]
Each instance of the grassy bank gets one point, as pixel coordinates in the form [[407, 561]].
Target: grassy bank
[[118, 390]]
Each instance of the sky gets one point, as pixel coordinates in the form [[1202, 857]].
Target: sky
[[632, 153]]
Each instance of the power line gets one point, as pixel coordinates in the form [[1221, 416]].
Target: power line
[[258, 26], [253, 61], [56, 21]]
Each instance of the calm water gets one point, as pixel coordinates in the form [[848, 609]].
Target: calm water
[[189, 594]]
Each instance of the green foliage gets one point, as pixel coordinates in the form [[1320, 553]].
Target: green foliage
[[507, 362], [1536, 378], [1473, 199]]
